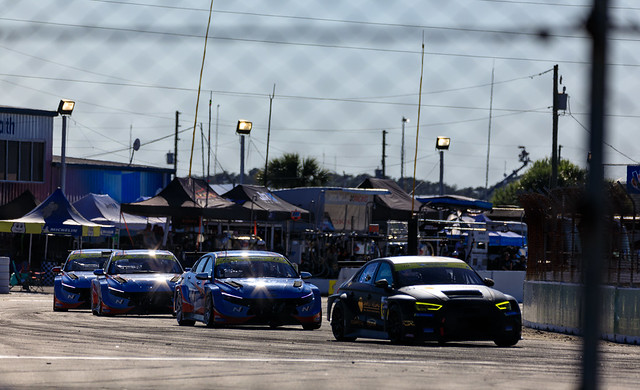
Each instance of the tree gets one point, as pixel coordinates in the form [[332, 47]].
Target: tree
[[537, 179], [290, 171]]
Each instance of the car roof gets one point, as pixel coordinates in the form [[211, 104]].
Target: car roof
[[92, 250], [121, 252], [245, 253], [421, 259]]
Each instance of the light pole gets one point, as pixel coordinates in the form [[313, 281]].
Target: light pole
[[404, 120], [243, 128], [65, 108], [442, 144]]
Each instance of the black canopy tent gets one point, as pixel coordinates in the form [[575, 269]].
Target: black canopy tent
[[264, 205], [19, 206], [395, 206], [187, 197]]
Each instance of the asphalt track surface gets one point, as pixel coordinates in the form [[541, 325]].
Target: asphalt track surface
[[40, 348]]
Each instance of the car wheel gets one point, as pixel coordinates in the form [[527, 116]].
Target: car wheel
[[395, 327], [209, 317], [311, 326], [57, 308], [177, 307], [339, 323], [95, 303], [508, 340]]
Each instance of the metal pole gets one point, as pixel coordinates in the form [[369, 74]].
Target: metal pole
[[242, 159], [404, 120], [63, 164], [175, 147], [442, 172], [594, 206], [554, 151], [266, 159]]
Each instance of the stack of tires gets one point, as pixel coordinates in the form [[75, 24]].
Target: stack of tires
[[4, 275]]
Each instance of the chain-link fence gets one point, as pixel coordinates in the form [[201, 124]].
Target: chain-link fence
[[338, 73]]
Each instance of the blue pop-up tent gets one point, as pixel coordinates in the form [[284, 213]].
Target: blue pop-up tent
[[55, 215]]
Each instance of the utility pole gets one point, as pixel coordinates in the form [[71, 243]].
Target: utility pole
[[384, 145], [266, 160], [175, 147], [554, 151], [404, 120]]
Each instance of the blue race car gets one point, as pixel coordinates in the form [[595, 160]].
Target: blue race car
[[135, 281], [247, 287], [72, 284]]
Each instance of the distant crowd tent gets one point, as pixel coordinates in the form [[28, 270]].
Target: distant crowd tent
[[264, 205], [395, 206], [19, 206], [187, 197], [454, 202], [103, 209], [55, 215]]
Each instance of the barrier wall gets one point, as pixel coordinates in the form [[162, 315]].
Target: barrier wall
[[556, 307], [4, 275]]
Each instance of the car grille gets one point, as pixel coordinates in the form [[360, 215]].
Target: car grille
[[266, 308], [83, 292], [151, 301], [470, 317]]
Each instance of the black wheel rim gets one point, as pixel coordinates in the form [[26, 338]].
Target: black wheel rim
[[178, 307], [338, 323], [395, 328]]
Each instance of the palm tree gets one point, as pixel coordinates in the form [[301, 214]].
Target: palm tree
[[290, 171]]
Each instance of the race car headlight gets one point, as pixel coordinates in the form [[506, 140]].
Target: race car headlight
[[424, 306], [506, 305], [232, 298], [305, 299], [175, 278], [117, 293]]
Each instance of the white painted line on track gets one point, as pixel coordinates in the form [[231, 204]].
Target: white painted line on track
[[210, 359]]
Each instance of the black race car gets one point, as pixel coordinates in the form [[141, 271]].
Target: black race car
[[423, 298]]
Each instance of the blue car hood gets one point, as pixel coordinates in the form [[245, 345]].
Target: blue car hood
[[142, 282], [83, 279], [279, 288]]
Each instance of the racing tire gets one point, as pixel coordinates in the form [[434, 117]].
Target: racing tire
[[177, 308], [58, 308], [95, 306], [339, 323], [508, 340], [311, 326], [208, 317], [395, 327]]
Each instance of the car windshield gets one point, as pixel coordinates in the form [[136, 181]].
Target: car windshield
[[144, 263], [253, 267], [85, 262], [436, 273]]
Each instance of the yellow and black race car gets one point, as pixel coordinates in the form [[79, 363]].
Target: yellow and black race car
[[410, 299]]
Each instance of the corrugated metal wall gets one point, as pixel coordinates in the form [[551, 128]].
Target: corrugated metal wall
[[22, 127]]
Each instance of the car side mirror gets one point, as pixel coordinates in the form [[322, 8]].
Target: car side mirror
[[98, 272], [305, 275], [56, 270], [202, 276], [488, 282], [382, 283]]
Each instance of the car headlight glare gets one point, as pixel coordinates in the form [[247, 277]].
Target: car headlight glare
[[232, 298], [424, 306], [506, 305]]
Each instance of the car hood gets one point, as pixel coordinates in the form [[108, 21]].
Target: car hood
[[265, 287], [79, 279], [453, 291], [142, 282]]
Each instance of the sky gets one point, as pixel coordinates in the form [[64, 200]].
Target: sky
[[336, 74]]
